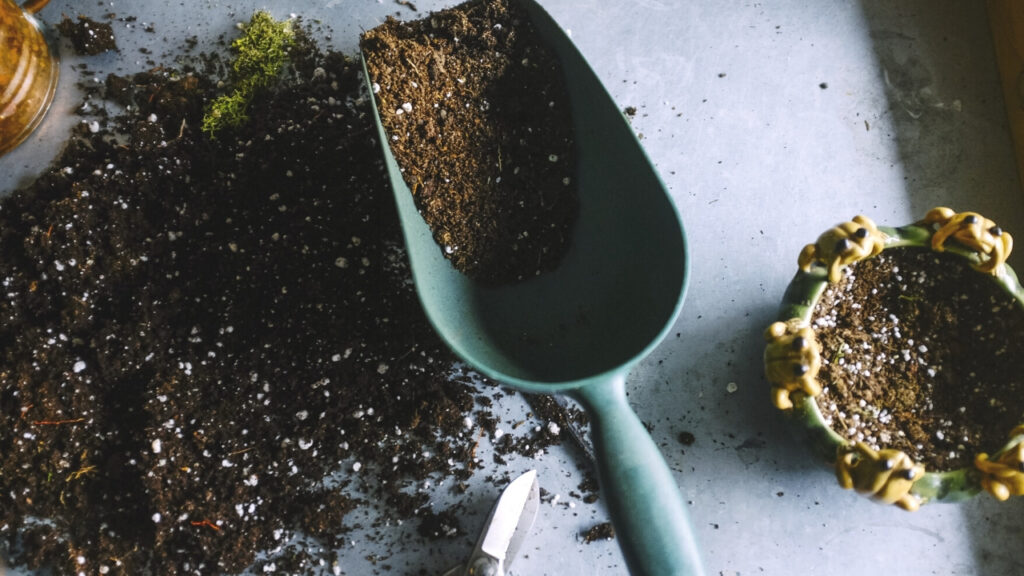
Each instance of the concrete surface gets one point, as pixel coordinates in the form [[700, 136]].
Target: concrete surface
[[769, 122]]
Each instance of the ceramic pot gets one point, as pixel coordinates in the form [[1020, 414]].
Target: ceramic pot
[[793, 360]]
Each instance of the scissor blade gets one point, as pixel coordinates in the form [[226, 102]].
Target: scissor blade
[[512, 517], [525, 524]]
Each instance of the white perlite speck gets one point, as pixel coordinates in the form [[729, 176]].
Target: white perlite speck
[[78, 367]]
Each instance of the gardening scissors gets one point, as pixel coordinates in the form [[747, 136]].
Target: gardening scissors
[[506, 528]]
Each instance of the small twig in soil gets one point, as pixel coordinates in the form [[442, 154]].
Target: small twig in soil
[[839, 354], [206, 523], [472, 452], [57, 422], [80, 472]]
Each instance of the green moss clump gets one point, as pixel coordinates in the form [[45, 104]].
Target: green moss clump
[[261, 53]]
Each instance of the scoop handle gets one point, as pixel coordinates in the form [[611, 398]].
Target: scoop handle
[[651, 523]]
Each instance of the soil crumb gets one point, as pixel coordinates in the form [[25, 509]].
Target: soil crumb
[[87, 36], [599, 532]]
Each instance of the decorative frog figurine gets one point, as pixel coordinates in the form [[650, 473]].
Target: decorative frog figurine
[[843, 245], [973, 231], [883, 475], [1004, 476], [791, 361]]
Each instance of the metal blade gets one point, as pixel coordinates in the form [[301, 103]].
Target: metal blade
[[516, 507], [525, 524]]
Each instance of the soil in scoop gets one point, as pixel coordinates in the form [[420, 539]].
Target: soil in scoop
[[923, 354], [197, 332], [476, 109]]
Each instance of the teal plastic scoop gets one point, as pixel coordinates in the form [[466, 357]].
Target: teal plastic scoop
[[580, 328]]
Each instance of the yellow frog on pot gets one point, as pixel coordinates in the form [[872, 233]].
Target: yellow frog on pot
[[843, 245], [973, 231], [1004, 476], [791, 361], [883, 475]]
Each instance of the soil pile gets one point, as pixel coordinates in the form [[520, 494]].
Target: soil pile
[[196, 332]]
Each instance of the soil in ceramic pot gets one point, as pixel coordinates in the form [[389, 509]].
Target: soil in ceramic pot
[[476, 109], [923, 354]]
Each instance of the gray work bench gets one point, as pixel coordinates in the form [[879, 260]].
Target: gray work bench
[[769, 122]]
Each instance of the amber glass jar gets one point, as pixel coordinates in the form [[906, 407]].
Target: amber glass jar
[[28, 73]]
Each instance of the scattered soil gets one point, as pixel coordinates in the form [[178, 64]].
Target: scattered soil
[[477, 113], [88, 37], [598, 532], [923, 354], [28, 75], [210, 348], [687, 438]]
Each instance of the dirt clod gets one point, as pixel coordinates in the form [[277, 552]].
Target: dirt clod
[[598, 532], [87, 36]]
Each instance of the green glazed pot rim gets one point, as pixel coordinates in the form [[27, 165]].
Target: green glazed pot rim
[[799, 300]]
